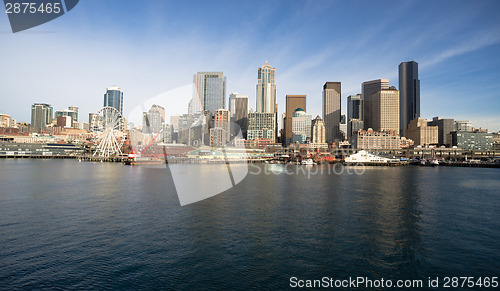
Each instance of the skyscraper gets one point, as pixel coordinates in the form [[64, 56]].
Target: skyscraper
[[368, 88], [385, 110], [266, 89], [152, 121], [41, 116], [209, 91], [114, 98], [292, 103], [354, 107], [318, 138], [409, 96], [241, 113], [331, 110]]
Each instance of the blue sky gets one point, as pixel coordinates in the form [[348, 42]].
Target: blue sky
[[152, 48]]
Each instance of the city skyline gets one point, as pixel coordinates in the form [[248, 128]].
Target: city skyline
[[456, 54]]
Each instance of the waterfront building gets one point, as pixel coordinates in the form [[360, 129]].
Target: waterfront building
[[471, 140], [266, 89], [445, 126], [241, 114], [422, 133], [496, 141], [261, 125], [209, 91], [292, 103], [385, 110], [374, 140], [41, 116], [318, 134], [409, 99], [301, 126], [369, 88], [354, 107], [114, 98], [463, 126], [331, 110]]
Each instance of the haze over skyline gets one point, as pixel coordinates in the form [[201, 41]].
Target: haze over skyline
[[151, 47]]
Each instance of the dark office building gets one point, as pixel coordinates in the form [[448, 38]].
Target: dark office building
[[409, 94], [445, 126]]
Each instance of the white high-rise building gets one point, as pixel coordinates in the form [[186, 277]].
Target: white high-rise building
[[266, 89]]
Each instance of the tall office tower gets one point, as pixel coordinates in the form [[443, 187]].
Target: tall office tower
[[367, 90], [74, 109], [331, 110], [209, 91], [160, 110], [232, 105], [301, 126], [266, 89], [292, 103], [318, 131], [241, 114], [385, 110], [114, 98], [41, 116], [354, 107], [174, 121], [152, 121], [409, 97]]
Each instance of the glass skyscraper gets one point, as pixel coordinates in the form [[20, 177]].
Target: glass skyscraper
[[409, 94], [209, 92], [114, 98]]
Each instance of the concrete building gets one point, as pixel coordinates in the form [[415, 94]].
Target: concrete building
[[331, 110], [369, 88], [292, 103], [318, 134], [218, 137], [266, 89], [409, 101], [114, 98], [463, 126], [472, 140], [168, 133], [421, 133], [352, 127], [496, 141], [222, 119], [64, 121], [301, 126], [152, 121], [41, 116], [74, 109], [261, 125], [209, 91], [385, 110], [445, 126], [7, 121], [375, 140]]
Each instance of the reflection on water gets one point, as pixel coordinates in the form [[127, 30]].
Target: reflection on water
[[97, 225]]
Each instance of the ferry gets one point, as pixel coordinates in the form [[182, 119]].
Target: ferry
[[365, 157], [308, 162]]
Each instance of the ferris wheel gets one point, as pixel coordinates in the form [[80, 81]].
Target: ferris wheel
[[108, 128]]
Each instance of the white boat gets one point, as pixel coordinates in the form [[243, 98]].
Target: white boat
[[434, 162], [365, 157], [308, 162]]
